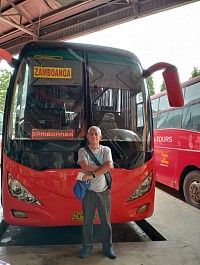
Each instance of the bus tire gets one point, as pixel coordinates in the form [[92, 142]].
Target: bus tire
[[191, 188]]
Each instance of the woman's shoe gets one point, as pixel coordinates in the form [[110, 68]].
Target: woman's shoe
[[85, 251], [109, 253]]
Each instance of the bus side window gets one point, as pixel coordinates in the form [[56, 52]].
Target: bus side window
[[154, 104], [191, 118]]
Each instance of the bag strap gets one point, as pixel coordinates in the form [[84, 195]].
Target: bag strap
[[92, 156], [96, 161]]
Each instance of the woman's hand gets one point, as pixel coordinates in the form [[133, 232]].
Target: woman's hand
[[87, 176]]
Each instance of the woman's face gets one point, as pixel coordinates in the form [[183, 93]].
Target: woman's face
[[93, 136]]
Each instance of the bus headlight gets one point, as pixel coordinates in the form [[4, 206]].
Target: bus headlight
[[143, 188], [18, 191]]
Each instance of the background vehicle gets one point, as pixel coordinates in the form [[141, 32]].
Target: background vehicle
[[177, 142], [57, 91], [1, 129]]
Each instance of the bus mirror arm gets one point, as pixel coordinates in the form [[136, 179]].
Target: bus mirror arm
[[5, 55], [156, 67], [172, 82]]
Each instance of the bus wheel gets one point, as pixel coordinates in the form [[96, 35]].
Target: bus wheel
[[191, 188]]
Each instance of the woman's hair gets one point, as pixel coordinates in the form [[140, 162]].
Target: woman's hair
[[95, 128]]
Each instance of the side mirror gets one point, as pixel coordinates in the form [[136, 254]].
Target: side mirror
[[172, 82], [8, 57], [174, 91]]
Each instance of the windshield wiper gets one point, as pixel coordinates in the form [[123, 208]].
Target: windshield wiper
[[115, 145]]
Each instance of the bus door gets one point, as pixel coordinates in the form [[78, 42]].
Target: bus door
[[164, 158]]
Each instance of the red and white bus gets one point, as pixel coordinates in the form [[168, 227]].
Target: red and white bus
[[177, 142], [57, 91]]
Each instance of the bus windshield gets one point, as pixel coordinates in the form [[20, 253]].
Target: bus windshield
[[54, 103]]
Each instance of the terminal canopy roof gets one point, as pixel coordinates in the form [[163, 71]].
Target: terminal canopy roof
[[25, 20]]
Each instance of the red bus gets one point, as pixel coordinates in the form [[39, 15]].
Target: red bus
[[57, 91], [177, 142], [1, 129]]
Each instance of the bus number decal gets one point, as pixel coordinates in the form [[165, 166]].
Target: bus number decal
[[52, 72], [78, 216], [164, 160]]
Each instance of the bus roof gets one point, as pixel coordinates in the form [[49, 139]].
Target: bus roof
[[191, 81], [184, 84], [35, 45]]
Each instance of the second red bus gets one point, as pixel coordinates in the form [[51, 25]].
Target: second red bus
[[177, 142]]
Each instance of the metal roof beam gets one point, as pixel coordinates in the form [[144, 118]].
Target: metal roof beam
[[7, 19], [20, 12], [18, 26], [89, 19]]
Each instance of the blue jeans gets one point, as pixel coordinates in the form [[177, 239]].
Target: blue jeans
[[102, 200]]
